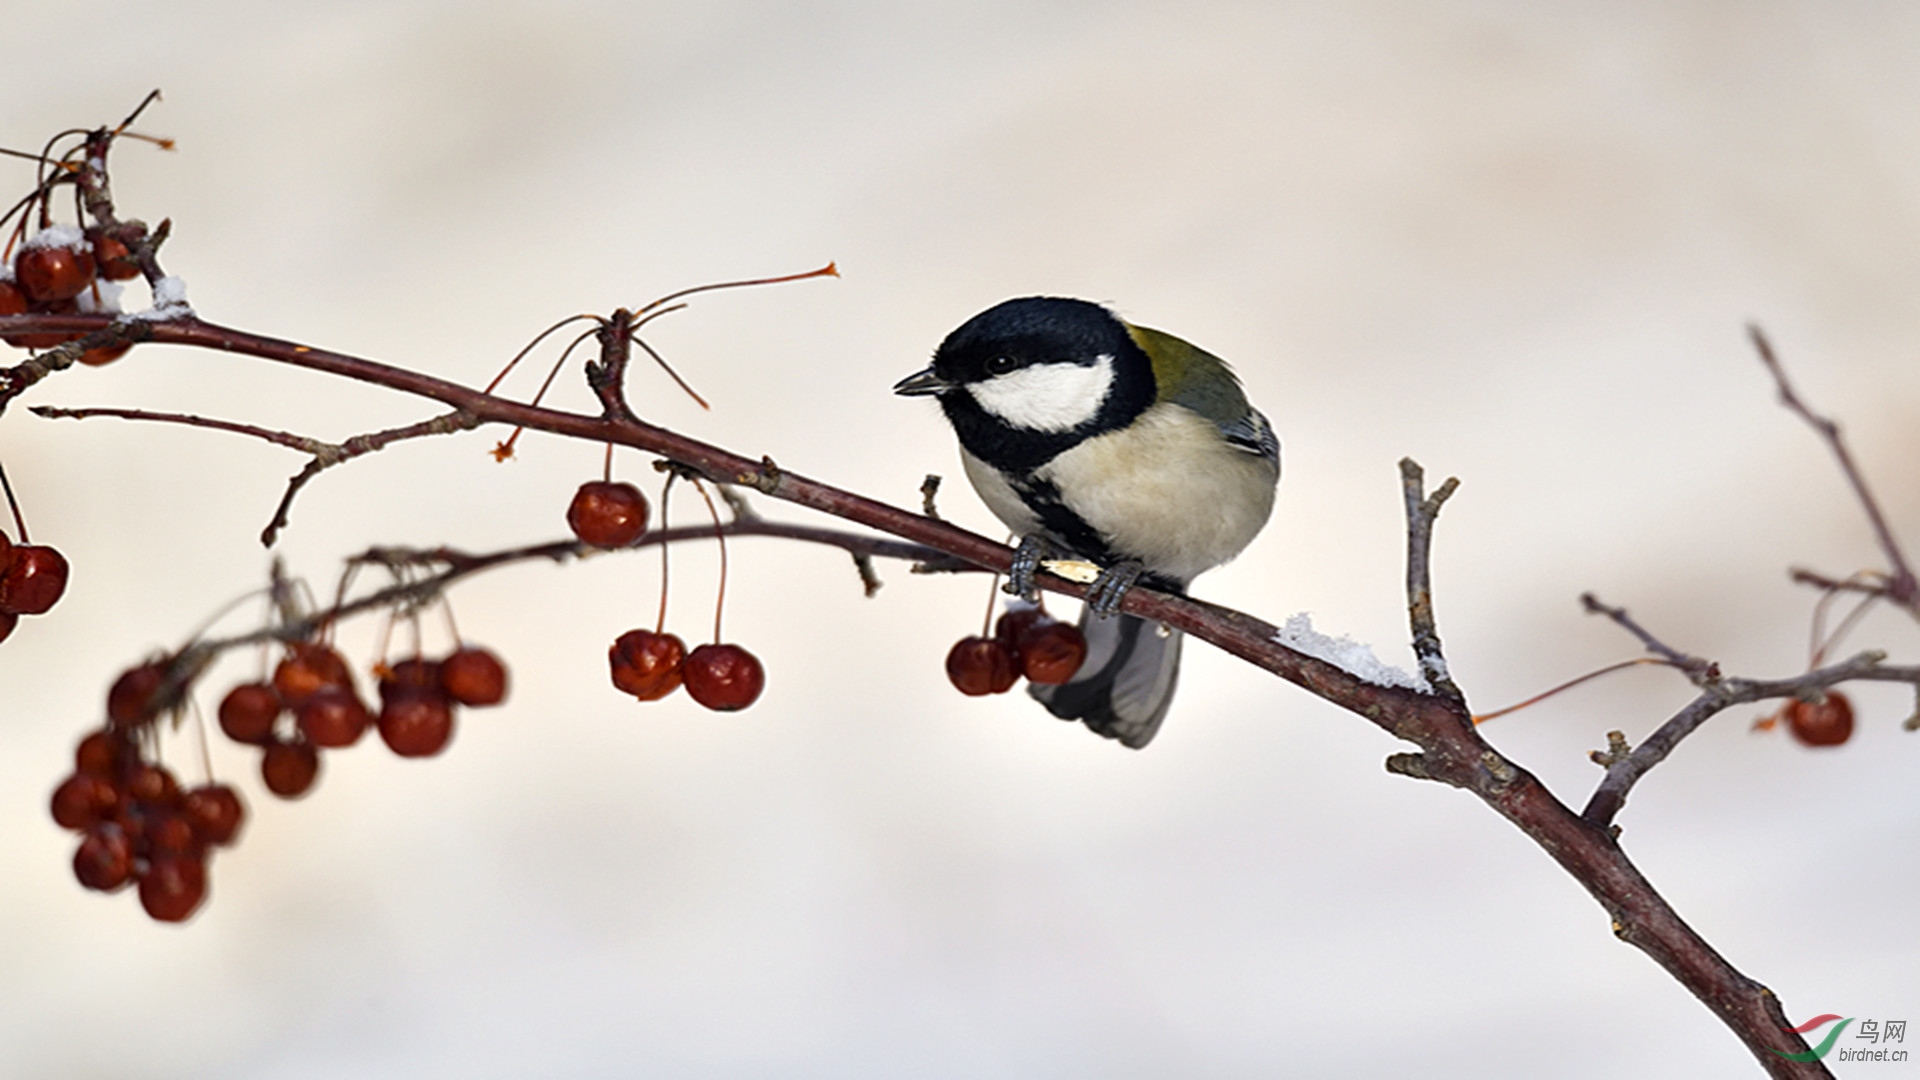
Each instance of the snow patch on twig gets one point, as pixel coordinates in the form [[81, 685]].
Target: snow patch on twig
[[169, 301], [1353, 657]]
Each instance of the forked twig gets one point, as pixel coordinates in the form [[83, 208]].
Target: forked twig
[[1901, 586]]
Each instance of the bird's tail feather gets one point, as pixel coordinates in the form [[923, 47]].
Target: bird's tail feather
[[1126, 683]]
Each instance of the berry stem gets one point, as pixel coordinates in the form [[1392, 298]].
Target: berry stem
[[529, 347], [206, 625], [1481, 718], [13, 504], [453, 628], [505, 450], [1824, 642], [662, 361], [993, 596], [829, 270], [200, 728], [666, 489], [720, 535], [606, 465], [386, 638]]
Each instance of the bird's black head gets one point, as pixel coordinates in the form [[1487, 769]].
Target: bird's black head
[[1028, 378]]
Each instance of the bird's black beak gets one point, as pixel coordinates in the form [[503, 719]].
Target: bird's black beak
[[922, 384]]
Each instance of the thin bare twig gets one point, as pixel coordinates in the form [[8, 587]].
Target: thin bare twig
[[1422, 509], [454, 565], [444, 424], [1869, 582], [325, 454], [1624, 773], [287, 439], [929, 492], [1699, 670], [1902, 588], [1717, 693]]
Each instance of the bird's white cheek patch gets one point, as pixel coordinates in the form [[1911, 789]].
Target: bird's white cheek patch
[[1047, 397]]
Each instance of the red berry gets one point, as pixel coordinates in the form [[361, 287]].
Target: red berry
[[215, 812], [104, 860], [411, 678], [1824, 723], [474, 677], [1017, 623], [102, 752], [248, 711], [54, 273], [608, 513], [8, 620], [135, 696], [113, 259], [332, 716], [417, 724], [723, 677], [14, 301], [84, 799], [308, 666], [173, 886], [35, 577], [289, 768], [167, 833], [151, 784], [647, 665], [979, 665], [1051, 653]]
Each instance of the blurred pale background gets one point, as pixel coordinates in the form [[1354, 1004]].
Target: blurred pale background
[[1515, 241]]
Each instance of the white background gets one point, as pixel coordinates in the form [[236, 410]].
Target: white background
[[1517, 242]]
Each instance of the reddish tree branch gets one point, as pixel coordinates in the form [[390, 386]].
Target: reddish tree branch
[[1450, 750], [1625, 771], [447, 566]]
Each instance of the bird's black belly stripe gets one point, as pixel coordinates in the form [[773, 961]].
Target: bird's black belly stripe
[[1071, 531], [1061, 523]]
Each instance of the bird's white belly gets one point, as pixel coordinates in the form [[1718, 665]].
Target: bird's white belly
[[1167, 490], [999, 496]]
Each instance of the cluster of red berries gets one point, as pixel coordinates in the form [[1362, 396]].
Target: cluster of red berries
[[61, 270], [650, 664], [32, 579], [313, 686], [1827, 722], [136, 822], [1026, 641], [139, 825]]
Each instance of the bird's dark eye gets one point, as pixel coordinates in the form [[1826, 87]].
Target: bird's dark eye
[[1000, 365]]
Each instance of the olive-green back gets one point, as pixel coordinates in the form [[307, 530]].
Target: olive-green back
[[1191, 376]]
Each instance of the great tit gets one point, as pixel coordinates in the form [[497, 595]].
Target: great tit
[[1095, 439]]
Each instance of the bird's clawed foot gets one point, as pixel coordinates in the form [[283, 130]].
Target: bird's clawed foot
[[1107, 590], [1033, 550]]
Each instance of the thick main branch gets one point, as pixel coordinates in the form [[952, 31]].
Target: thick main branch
[[1451, 750]]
